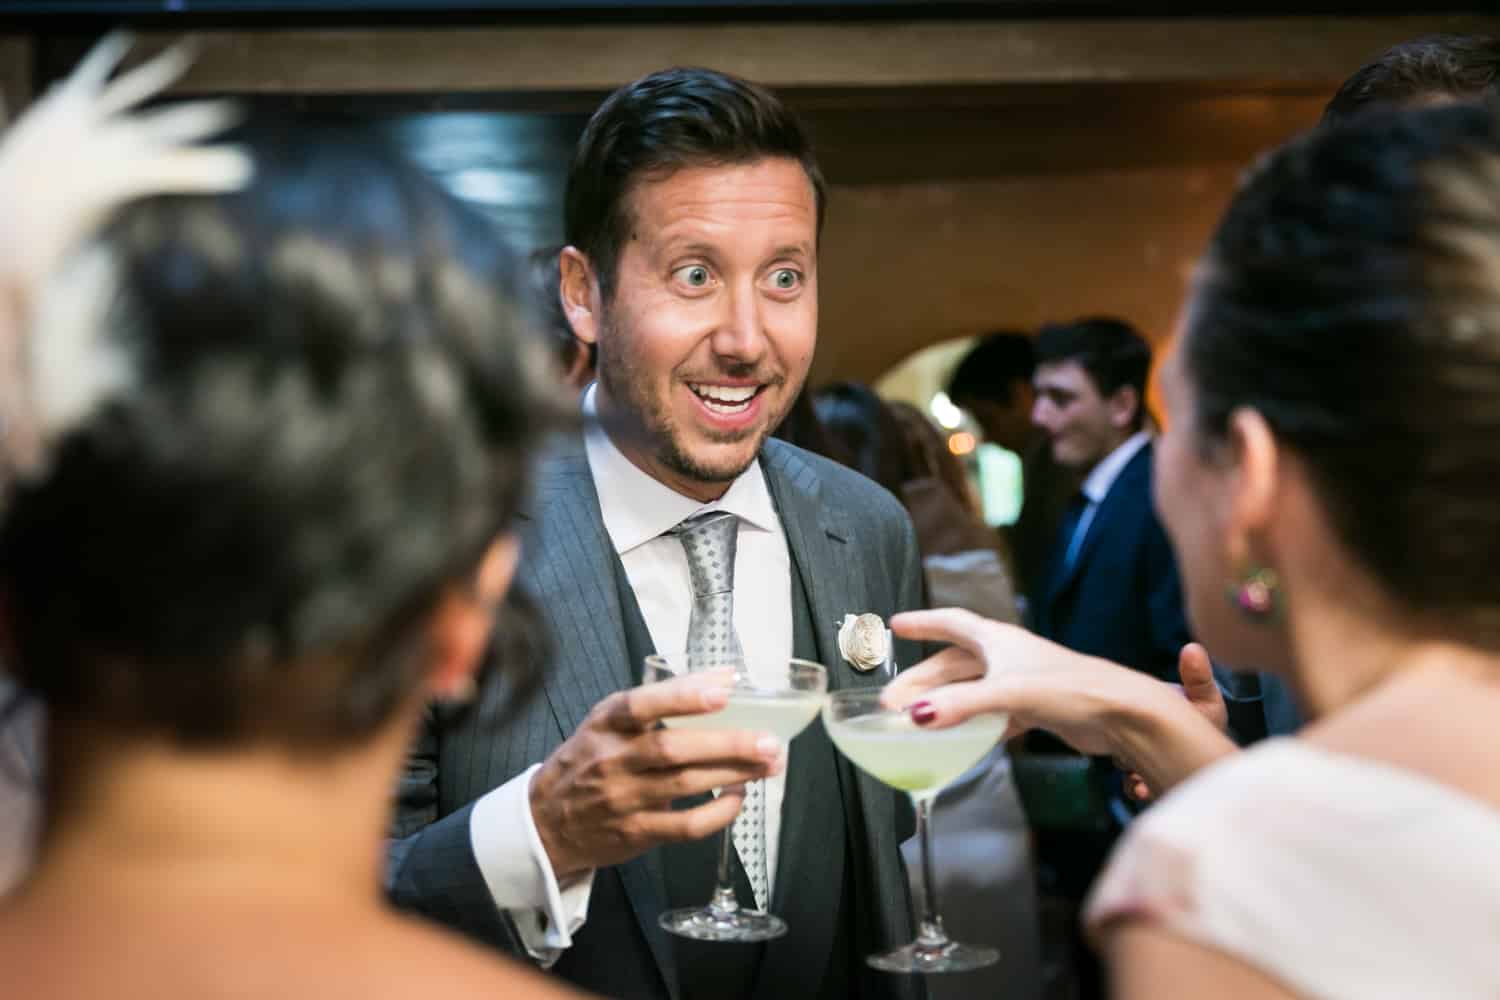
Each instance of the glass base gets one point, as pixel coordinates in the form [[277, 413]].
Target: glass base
[[708, 923], [949, 956]]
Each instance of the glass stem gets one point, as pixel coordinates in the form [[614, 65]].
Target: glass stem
[[930, 934], [724, 902]]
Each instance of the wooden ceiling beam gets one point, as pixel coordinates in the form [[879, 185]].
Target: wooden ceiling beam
[[819, 56]]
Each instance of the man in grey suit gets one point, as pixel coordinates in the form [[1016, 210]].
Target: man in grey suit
[[693, 211]]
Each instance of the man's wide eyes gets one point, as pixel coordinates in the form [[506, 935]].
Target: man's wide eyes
[[693, 275]]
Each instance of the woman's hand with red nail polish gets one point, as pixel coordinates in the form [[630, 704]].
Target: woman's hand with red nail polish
[[1097, 707]]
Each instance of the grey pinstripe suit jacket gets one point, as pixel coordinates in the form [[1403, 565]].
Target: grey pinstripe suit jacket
[[855, 547]]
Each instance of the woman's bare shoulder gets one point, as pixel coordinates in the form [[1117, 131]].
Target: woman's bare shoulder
[[375, 958], [1438, 725]]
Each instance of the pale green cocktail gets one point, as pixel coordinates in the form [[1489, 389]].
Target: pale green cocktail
[[898, 752], [783, 714], [887, 745]]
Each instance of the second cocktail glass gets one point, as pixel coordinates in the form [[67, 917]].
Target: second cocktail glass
[[886, 744]]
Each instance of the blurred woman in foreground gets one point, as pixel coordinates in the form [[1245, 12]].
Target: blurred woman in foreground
[[286, 431], [77, 153], [1328, 481]]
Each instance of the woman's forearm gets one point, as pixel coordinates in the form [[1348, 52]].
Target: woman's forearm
[[1165, 738]]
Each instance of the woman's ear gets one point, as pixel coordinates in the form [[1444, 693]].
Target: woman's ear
[[1253, 480], [579, 289], [460, 626]]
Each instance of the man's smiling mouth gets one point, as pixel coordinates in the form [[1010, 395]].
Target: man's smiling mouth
[[725, 399]]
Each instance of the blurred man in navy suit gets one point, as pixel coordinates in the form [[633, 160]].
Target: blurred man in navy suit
[[1111, 586], [1110, 589]]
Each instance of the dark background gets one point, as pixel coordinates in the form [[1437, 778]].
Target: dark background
[[708, 9]]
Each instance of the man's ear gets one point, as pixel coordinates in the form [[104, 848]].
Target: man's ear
[[1124, 407], [459, 628], [579, 289]]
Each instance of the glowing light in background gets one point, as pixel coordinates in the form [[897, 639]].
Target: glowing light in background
[[1000, 480], [945, 413], [961, 442]]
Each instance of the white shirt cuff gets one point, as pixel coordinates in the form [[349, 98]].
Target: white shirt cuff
[[519, 874]]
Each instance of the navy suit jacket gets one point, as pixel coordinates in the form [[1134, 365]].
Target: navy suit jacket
[[1122, 598]]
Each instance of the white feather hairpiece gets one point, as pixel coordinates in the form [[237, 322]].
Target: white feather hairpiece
[[76, 156]]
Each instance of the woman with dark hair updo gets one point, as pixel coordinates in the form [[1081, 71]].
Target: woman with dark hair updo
[[286, 432], [1328, 482]]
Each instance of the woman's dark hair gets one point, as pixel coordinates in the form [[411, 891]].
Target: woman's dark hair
[[661, 123], [323, 415], [928, 455], [802, 428], [1460, 67], [865, 433], [1351, 296]]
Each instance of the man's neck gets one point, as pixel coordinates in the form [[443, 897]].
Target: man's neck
[[1111, 447], [630, 439], [1102, 475]]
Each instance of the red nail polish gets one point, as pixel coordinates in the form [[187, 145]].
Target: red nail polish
[[922, 713]]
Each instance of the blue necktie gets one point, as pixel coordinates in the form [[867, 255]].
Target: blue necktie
[[1075, 529]]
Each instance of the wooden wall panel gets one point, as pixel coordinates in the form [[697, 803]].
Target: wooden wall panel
[[985, 173], [906, 266]]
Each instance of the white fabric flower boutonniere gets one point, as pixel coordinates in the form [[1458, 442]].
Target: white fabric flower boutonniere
[[864, 642]]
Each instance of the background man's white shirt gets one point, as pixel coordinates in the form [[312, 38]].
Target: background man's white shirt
[[1097, 486]]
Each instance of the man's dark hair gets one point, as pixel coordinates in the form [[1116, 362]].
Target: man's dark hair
[[661, 123], [991, 369], [1462, 67], [1110, 350], [321, 416]]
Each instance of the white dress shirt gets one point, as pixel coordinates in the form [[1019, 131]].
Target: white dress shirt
[[1098, 484], [638, 513]]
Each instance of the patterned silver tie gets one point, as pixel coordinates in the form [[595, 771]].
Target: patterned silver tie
[[709, 541]]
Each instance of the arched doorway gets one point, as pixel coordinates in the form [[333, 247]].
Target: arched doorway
[[920, 379]]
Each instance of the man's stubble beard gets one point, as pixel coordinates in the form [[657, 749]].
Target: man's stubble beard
[[652, 418]]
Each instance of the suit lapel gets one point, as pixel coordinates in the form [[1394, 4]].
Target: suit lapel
[[812, 844], [805, 892], [817, 537], [570, 568], [836, 582]]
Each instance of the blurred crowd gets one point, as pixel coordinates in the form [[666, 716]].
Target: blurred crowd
[[336, 535]]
